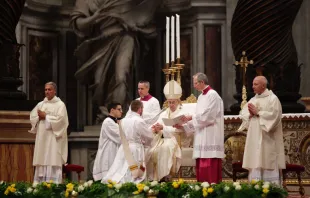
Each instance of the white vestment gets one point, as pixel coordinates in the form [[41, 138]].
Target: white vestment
[[208, 125], [151, 109], [165, 155], [109, 142], [51, 144], [264, 148], [138, 136]]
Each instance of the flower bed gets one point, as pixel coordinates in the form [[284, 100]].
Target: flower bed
[[175, 189]]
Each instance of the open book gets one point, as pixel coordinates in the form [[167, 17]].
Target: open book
[[173, 121]]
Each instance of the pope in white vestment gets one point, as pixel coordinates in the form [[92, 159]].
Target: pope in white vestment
[[109, 142], [139, 136], [151, 107], [264, 149], [49, 122], [164, 158]]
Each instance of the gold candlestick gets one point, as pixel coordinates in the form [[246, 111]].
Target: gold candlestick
[[167, 73], [179, 67], [244, 62]]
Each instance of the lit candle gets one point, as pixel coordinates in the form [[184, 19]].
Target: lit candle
[[167, 39], [172, 38], [178, 35]]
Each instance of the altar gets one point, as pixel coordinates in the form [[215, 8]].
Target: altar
[[296, 129]]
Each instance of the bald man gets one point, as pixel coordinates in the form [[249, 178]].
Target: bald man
[[264, 149]]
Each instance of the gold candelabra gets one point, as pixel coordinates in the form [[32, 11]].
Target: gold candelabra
[[174, 71], [244, 62]]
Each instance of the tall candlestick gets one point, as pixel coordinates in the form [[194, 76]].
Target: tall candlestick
[[172, 38], [167, 39], [178, 35]]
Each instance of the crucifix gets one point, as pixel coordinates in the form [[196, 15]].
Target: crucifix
[[244, 62]]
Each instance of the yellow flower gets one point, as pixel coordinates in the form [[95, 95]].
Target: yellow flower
[[110, 186], [204, 193], [175, 185], [109, 181], [140, 187], [51, 181], [44, 184], [66, 194], [13, 190], [70, 187], [181, 181], [13, 185], [253, 181], [6, 192], [204, 189], [48, 185], [210, 190], [113, 182], [135, 192], [265, 190]]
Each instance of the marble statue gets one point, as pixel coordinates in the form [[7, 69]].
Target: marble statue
[[114, 34]]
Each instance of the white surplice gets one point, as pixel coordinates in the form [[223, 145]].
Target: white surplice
[[109, 142], [165, 155], [51, 144], [208, 124], [138, 135], [151, 108], [264, 148]]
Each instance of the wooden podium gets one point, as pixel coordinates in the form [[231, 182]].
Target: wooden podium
[[16, 146]]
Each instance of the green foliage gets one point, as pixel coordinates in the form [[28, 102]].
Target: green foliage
[[90, 189]]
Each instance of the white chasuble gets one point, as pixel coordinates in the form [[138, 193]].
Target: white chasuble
[[264, 146]]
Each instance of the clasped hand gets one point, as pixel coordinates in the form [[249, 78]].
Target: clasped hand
[[157, 127], [41, 115], [252, 109]]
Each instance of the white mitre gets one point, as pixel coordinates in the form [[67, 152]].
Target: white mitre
[[172, 90]]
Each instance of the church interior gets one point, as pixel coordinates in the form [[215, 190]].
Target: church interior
[[231, 41]]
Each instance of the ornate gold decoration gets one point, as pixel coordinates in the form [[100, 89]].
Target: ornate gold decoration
[[234, 149], [190, 99], [179, 67], [243, 64]]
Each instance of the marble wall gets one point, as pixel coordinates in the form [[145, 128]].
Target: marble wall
[[44, 26]]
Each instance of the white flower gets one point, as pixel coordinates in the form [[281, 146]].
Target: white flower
[[163, 183], [197, 188], [74, 193], [1, 182], [35, 191], [205, 184], [267, 183], [29, 190], [265, 186], [238, 187], [86, 184], [90, 182], [256, 187], [146, 188], [117, 186], [236, 183], [151, 191], [80, 188], [185, 196], [154, 183], [17, 193], [213, 184], [226, 188], [34, 185]]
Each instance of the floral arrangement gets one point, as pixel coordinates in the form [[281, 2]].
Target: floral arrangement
[[174, 189]]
